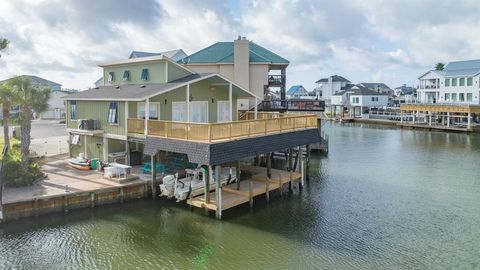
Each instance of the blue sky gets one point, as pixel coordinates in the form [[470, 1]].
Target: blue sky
[[365, 41]]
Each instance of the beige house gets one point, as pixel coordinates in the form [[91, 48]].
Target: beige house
[[244, 62]]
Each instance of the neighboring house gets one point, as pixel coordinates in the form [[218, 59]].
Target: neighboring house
[[405, 90], [458, 82], [175, 55], [297, 92], [39, 82], [359, 97], [327, 87], [246, 63], [149, 88], [378, 87]]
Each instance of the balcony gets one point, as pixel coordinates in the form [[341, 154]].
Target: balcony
[[304, 105], [276, 80], [219, 132]]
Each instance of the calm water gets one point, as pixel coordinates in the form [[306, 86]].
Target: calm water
[[384, 198]]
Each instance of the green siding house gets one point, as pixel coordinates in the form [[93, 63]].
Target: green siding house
[[142, 94]]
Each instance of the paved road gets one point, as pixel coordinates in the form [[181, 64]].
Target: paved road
[[45, 129]]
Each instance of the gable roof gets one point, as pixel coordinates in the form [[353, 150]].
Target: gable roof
[[462, 68], [375, 85], [438, 72], [175, 55], [359, 90], [36, 79], [223, 52], [137, 92], [335, 78], [292, 90]]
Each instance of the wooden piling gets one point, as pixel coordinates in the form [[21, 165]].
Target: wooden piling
[[290, 168], [269, 176], [92, 199], [237, 172], [250, 192], [218, 193], [154, 175], [308, 162], [301, 169]]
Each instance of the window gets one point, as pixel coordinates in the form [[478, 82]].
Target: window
[[179, 111], [469, 81], [454, 81], [126, 75], [144, 74], [355, 100], [462, 82], [373, 99], [454, 97], [469, 97], [447, 82], [154, 112], [113, 113], [447, 96], [111, 76], [73, 110], [223, 111], [461, 97]]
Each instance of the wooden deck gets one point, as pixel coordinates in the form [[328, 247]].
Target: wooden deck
[[259, 184], [437, 127]]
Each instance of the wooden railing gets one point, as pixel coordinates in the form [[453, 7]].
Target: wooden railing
[[135, 125], [212, 132]]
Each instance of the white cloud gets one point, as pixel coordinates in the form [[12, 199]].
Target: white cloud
[[378, 40]]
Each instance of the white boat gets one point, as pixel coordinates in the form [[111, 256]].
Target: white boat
[[192, 185]]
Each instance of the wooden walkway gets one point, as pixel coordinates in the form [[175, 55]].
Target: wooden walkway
[[259, 184], [438, 127]]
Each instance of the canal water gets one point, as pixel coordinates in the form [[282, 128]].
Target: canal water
[[384, 198]]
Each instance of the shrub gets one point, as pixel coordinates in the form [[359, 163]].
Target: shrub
[[12, 170]]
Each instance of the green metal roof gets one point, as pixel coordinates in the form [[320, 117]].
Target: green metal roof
[[222, 52]]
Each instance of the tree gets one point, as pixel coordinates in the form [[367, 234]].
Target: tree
[[7, 98], [439, 66], [3, 44], [30, 99]]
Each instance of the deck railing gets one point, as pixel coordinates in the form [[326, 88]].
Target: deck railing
[[212, 132]]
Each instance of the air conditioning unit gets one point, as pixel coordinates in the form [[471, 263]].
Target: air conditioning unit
[[81, 124], [88, 124]]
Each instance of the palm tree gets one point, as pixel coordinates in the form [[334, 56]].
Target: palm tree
[[7, 98], [3, 44], [30, 99], [439, 66]]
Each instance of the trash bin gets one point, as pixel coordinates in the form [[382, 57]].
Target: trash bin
[[93, 163]]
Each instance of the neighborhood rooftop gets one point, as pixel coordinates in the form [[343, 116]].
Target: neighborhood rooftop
[[175, 55], [222, 52], [359, 90], [335, 78]]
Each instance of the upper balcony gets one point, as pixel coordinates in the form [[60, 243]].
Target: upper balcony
[[276, 80], [221, 132]]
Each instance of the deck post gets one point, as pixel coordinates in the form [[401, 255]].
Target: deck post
[[308, 162], [207, 184], [301, 168], [218, 193], [187, 102], [237, 172], [250, 192], [413, 117], [448, 119], [430, 118], [469, 123], [154, 175], [105, 149], [269, 175], [256, 108], [290, 168], [401, 117]]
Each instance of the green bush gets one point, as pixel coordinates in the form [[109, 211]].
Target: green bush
[[12, 170]]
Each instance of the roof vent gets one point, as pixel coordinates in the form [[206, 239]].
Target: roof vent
[[96, 87], [142, 86], [117, 86]]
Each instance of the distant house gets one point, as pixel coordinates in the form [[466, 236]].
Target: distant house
[[297, 91], [327, 87], [404, 90], [39, 82], [458, 82], [175, 55], [378, 87], [359, 99]]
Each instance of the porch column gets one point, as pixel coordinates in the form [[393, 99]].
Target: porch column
[[187, 100], [147, 114], [105, 149], [413, 117], [230, 102], [429, 118], [448, 119], [126, 118], [85, 144], [256, 108]]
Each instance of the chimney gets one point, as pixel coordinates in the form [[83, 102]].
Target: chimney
[[241, 62]]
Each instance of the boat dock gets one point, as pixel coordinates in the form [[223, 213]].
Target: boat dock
[[261, 182]]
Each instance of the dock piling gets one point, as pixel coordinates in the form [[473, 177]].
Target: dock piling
[[218, 193]]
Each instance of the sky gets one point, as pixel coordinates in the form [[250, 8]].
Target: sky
[[386, 41]]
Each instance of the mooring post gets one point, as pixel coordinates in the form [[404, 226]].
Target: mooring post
[[92, 199], [237, 172], [154, 175], [218, 191], [65, 204], [308, 162], [121, 195], [250, 192], [301, 169]]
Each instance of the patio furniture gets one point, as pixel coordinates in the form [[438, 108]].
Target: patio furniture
[[117, 170]]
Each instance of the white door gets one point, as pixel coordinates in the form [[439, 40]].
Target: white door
[[199, 111], [56, 113], [223, 111], [154, 110], [179, 111]]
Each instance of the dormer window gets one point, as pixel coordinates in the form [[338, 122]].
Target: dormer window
[[111, 76], [144, 74], [126, 75]]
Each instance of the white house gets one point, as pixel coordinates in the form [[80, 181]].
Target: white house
[[56, 106], [297, 92], [327, 87], [358, 99], [458, 82]]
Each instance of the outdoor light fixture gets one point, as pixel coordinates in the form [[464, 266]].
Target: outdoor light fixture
[[213, 100], [165, 101], [212, 88]]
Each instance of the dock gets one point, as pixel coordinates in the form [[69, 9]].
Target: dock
[[235, 194]]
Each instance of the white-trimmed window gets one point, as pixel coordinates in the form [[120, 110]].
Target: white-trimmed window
[[73, 110], [144, 76], [111, 76], [113, 113], [223, 111], [469, 97], [154, 112], [179, 111], [126, 75], [198, 111]]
